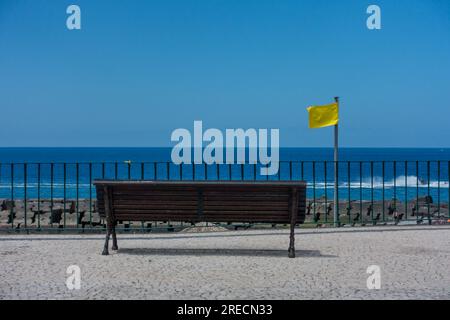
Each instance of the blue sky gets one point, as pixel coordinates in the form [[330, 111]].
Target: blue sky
[[139, 69]]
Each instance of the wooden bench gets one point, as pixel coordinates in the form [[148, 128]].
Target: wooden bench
[[201, 201]]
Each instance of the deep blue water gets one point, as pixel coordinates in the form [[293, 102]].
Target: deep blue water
[[406, 173], [163, 154]]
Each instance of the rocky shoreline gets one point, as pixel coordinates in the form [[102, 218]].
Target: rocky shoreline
[[58, 213]]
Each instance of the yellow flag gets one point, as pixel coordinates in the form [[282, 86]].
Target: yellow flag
[[323, 116]]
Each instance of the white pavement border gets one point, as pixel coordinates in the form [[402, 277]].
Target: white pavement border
[[330, 264]]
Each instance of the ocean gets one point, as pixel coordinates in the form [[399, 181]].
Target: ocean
[[364, 173]]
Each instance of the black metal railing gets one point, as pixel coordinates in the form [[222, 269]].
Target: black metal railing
[[61, 196]]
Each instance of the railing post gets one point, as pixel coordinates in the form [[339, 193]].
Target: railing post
[[51, 192], [417, 191], [39, 194], [360, 192], [371, 190], [302, 170], [25, 195], [77, 168], [168, 170], [406, 190], [326, 191], [64, 192], [439, 187], [12, 196], [290, 170], [428, 192], [181, 171], [395, 184], [314, 188], [349, 191], [90, 193], [336, 193], [383, 195]]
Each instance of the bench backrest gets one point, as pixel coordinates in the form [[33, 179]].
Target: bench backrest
[[205, 201]]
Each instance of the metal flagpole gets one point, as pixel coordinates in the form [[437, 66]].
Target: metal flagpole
[[336, 186]]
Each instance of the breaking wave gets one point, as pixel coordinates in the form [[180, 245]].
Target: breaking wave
[[399, 182]]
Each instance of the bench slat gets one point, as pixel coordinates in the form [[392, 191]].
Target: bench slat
[[204, 201], [213, 218]]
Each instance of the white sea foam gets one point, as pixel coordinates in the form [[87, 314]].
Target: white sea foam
[[399, 182]]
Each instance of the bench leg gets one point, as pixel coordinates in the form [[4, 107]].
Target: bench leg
[[292, 243], [114, 238], [294, 210], [105, 248]]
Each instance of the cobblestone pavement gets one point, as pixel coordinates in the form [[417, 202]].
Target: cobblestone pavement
[[330, 264]]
